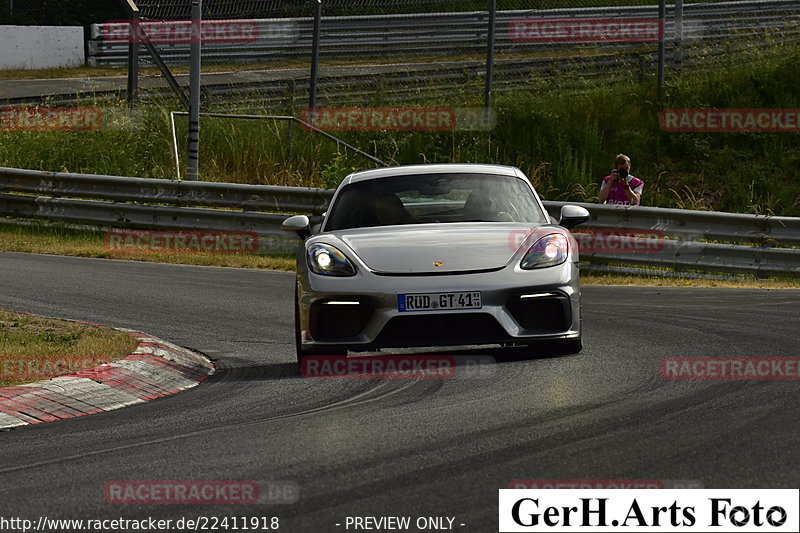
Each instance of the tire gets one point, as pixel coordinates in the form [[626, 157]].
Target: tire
[[297, 345]]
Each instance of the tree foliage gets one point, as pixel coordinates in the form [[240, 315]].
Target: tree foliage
[[60, 12]]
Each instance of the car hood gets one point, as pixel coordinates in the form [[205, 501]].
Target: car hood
[[438, 248]]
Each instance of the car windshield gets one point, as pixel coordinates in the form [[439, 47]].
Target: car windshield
[[434, 198]]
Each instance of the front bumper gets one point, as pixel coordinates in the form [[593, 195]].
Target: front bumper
[[361, 312]]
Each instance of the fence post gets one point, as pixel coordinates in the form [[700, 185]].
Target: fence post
[[312, 96], [131, 7], [487, 93], [678, 36], [292, 86], [193, 164], [133, 58]]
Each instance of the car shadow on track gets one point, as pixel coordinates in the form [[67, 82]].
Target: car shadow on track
[[460, 358], [256, 372]]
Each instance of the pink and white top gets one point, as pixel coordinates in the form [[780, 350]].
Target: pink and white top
[[617, 193]]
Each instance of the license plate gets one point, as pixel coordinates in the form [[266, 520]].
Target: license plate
[[436, 301]]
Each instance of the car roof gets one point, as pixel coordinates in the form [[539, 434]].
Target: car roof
[[450, 168]]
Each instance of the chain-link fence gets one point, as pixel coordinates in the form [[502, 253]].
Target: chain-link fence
[[223, 9], [179, 9], [436, 50], [59, 12], [21, 11]]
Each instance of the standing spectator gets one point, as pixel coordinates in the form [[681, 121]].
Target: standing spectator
[[621, 187]]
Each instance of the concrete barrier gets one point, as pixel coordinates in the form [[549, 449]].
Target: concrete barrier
[[40, 47]]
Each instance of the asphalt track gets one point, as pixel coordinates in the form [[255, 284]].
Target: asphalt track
[[399, 447]]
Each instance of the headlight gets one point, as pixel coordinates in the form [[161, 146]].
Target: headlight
[[326, 260], [550, 250]]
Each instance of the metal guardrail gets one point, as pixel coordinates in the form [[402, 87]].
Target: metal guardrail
[[750, 243], [431, 53], [702, 32], [754, 244], [691, 225], [453, 33], [708, 257], [159, 191]]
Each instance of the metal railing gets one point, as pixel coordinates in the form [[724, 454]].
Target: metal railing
[[705, 241], [428, 55], [753, 244], [449, 34], [446, 49]]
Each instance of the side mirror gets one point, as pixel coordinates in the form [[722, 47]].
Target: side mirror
[[297, 223], [572, 215]]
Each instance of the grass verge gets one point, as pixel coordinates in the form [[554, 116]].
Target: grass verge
[[59, 240], [34, 348], [591, 278]]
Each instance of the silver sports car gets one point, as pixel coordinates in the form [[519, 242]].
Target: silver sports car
[[436, 255]]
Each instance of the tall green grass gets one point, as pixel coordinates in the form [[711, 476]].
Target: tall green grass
[[564, 137]]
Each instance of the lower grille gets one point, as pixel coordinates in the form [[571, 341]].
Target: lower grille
[[430, 330]]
